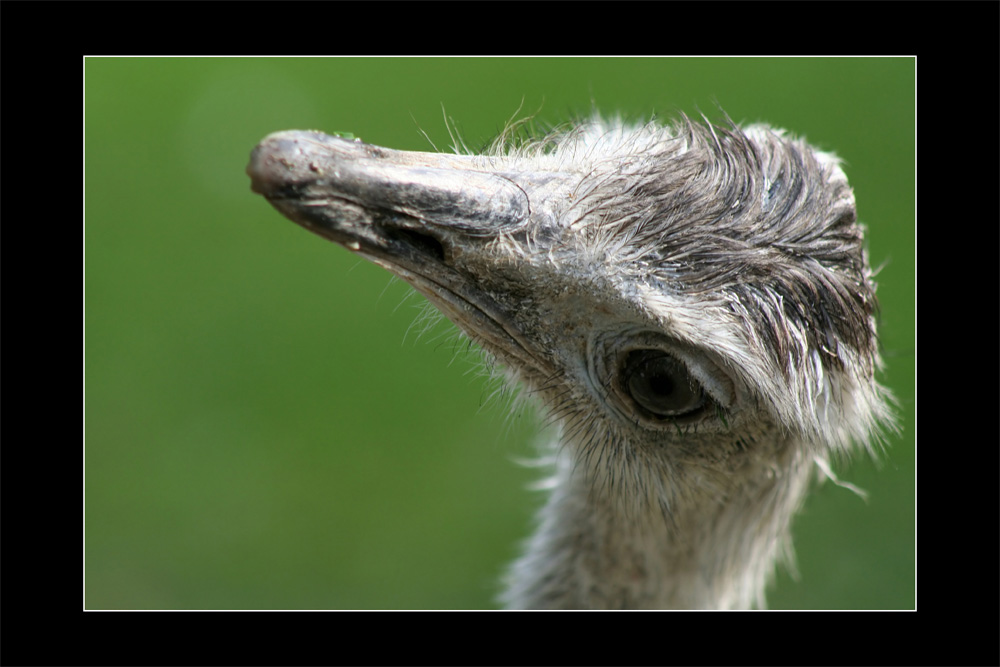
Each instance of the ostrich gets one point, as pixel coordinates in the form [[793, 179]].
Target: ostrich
[[691, 304]]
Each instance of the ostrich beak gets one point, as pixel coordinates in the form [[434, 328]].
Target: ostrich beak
[[408, 212], [353, 192]]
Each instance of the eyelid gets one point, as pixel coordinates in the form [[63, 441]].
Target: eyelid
[[713, 380]]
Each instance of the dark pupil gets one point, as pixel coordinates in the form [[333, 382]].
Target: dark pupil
[[659, 384]]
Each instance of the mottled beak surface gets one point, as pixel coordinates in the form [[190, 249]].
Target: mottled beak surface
[[337, 186]]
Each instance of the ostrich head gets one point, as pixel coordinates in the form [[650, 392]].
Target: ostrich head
[[691, 304]]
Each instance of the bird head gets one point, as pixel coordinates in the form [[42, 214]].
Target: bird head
[[659, 288]]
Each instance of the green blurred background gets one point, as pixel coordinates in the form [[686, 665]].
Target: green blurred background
[[266, 429]]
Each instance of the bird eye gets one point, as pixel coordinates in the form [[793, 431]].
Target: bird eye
[[660, 384]]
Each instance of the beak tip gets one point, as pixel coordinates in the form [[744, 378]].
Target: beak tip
[[294, 156], [272, 162]]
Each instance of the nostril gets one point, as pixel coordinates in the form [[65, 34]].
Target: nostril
[[425, 243]]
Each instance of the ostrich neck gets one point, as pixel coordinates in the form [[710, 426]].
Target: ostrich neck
[[707, 539]]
